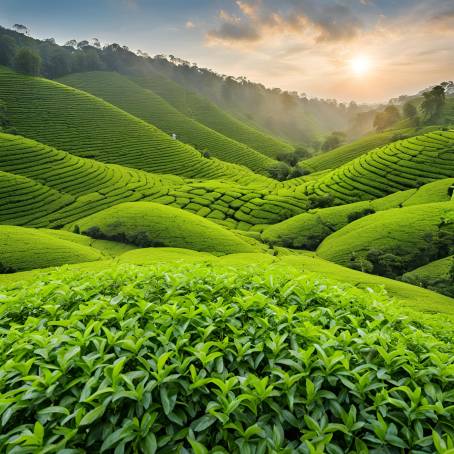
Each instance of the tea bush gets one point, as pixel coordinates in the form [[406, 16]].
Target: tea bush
[[204, 359]]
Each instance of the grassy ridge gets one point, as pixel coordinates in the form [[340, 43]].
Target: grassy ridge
[[207, 113], [26, 202], [26, 249], [148, 224], [72, 187], [142, 103], [77, 122], [436, 276], [405, 237]]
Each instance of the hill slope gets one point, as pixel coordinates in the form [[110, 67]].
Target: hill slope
[[148, 224], [25, 249], [84, 125], [143, 103], [401, 165], [394, 241], [200, 109]]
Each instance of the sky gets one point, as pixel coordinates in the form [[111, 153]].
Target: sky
[[362, 50]]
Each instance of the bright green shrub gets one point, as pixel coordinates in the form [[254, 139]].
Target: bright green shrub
[[206, 359]]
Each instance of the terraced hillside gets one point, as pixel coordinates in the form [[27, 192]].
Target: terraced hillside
[[401, 165], [24, 201], [143, 103], [394, 241], [26, 249], [147, 224], [200, 109], [69, 187], [346, 153], [309, 229], [84, 125]]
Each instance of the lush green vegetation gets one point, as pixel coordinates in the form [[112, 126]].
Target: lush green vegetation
[[79, 123], [147, 224], [401, 165], [346, 153], [164, 359], [26, 249], [309, 229], [150, 107], [135, 195], [394, 241], [437, 276], [207, 113]]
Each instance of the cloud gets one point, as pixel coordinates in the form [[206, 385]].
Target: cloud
[[189, 24], [257, 20]]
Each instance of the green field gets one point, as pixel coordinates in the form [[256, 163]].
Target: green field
[[164, 294]]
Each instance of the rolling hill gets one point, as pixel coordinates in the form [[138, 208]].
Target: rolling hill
[[200, 109], [80, 123], [146, 105]]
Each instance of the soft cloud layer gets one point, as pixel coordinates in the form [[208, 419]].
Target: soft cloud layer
[[307, 45], [302, 45]]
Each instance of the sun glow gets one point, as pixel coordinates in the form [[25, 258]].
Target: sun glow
[[360, 65]]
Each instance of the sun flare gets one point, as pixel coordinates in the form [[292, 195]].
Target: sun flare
[[360, 65]]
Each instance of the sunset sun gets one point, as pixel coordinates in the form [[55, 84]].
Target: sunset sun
[[360, 65]]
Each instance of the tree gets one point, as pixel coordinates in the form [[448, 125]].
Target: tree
[[433, 102], [59, 63], [27, 62], [334, 140], [410, 110], [21, 28], [387, 118], [7, 50]]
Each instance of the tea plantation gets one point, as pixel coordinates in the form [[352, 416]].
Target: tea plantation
[[146, 105], [167, 295], [197, 359]]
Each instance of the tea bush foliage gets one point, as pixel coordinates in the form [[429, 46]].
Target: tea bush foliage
[[201, 359]]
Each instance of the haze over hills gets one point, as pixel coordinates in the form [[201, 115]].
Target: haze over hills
[[191, 262]]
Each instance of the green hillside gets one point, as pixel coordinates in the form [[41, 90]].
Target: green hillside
[[394, 241], [71, 187], [346, 153], [309, 229], [437, 276], [146, 105], [401, 165], [84, 125], [26, 202], [26, 249], [148, 224], [200, 109]]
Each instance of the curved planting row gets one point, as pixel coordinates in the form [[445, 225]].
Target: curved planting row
[[307, 230], [81, 187], [402, 165], [25, 202], [207, 113], [84, 125], [146, 105]]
